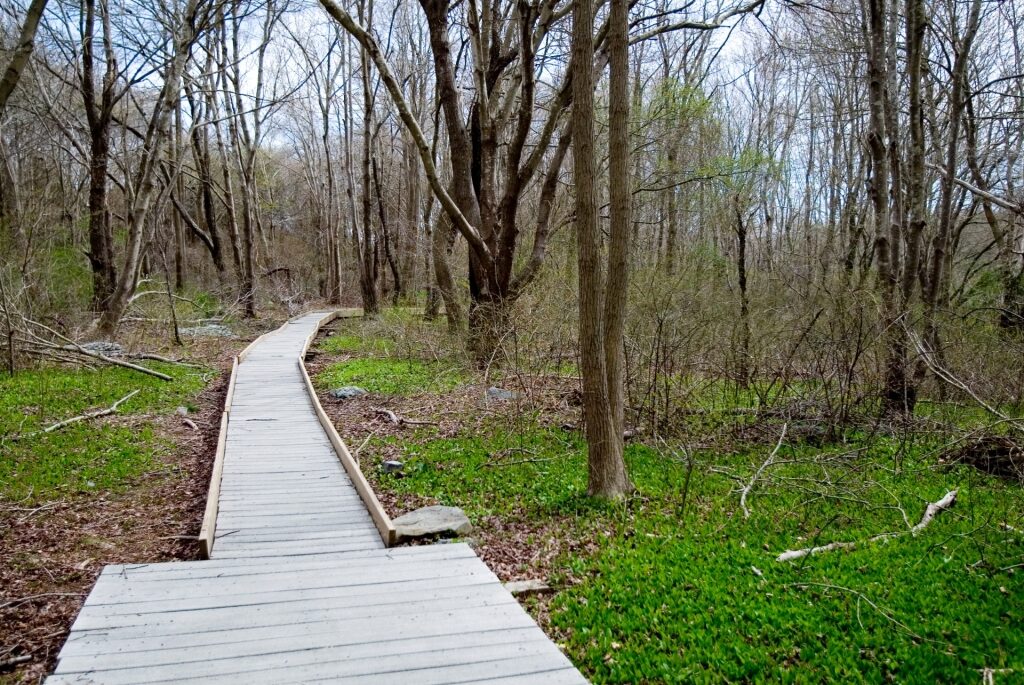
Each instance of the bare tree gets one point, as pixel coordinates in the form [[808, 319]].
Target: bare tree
[[11, 74]]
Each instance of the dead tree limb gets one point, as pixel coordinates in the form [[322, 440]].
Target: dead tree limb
[[75, 347], [947, 376], [87, 416], [397, 420], [32, 338], [930, 512], [745, 492]]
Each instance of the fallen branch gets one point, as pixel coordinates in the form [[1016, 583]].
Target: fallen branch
[[397, 420], [930, 512], [14, 661], [32, 598], [165, 360], [87, 416], [34, 340], [75, 347], [861, 596], [757, 474], [947, 376]]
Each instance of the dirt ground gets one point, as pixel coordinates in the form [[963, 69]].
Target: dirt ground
[[50, 555]]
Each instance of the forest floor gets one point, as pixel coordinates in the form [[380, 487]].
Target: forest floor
[[677, 584], [125, 488]]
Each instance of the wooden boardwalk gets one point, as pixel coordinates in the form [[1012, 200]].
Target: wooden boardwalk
[[300, 587]]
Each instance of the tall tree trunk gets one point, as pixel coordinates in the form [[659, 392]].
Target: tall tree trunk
[[176, 221], [441, 245], [99, 112], [936, 283], [369, 254], [743, 371], [205, 110], [144, 184], [598, 315], [387, 233]]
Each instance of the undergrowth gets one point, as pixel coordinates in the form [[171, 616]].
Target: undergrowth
[[678, 586], [96, 455], [684, 589]]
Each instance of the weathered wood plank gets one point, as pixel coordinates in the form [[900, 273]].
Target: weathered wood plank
[[106, 619], [396, 555], [181, 650], [345, 626]]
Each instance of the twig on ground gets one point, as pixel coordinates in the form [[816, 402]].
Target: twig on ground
[[165, 360], [520, 461], [400, 420], [364, 443], [931, 511], [988, 675], [87, 416], [14, 661], [757, 474], [861, 596], [37, 510], [32, 598]]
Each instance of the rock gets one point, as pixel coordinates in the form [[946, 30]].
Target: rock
[[212, 330], [528, 587], [104, 347], [431, 521], [346, 392], [392, 466], [182, 411], [495, 393]]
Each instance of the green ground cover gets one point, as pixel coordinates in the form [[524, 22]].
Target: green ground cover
[[689, 591], [682, 588], [94, 455]]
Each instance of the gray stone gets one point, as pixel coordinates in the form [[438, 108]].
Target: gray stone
[[528, 587], [104, 347], [495, 393], [212, 330], [432, 521], [392, 466], [346, 392], [182, 411]]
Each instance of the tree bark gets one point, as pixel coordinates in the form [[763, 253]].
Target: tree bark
[[99, 113], [26, 42], [606, 469]]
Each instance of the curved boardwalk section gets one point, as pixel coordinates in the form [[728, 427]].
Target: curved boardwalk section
[[300, 588]]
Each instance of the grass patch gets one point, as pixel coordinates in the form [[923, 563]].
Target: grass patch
[[391, 376], [340, 343], [671, 595], [535, 474], [89, 456]]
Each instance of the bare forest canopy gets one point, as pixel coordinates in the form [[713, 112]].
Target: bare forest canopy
[[776, 194]]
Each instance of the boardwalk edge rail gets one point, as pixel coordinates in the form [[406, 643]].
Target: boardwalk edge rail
[[381, 520], [209, 527]]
